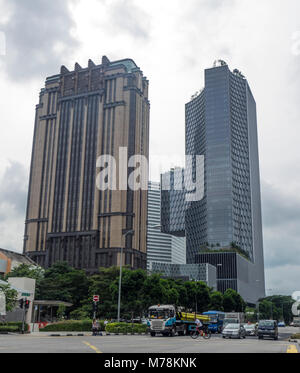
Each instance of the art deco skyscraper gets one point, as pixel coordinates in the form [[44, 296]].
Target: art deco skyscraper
[[81, 115]]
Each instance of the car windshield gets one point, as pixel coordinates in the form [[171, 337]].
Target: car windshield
[[230, 321], [249, 326], [232, 326], [159, 314], [266, 323]]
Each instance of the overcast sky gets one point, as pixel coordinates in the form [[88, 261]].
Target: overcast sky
[[172, 41]]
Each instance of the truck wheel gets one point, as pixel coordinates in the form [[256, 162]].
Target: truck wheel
[[172, 332], [152, 334]]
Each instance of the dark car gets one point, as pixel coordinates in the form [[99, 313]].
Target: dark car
[[267, 328]]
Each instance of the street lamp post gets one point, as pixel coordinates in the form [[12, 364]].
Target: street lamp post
[[120, 277], [257, 305], [121, 265]]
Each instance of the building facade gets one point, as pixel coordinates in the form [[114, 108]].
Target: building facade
[[173, 204], [81, 115], [10, 260], [161, 247], [221, 125], [188, 272]]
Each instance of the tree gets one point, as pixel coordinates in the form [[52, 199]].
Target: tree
[[11, 296], [191, 298], [216, 301], [30, 271], [197, 296], [100, 284], [26, 270], [265, 309], [61, 311], [182, 292], [280, 307], [229, 304], [202, 296], [153, 290], [233, 302], [131, 291], [62, 282]]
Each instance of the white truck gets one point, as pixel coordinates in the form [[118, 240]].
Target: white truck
[[234, 318]]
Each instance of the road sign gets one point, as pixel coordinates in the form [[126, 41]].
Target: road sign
[[96, 298], [25, 295]]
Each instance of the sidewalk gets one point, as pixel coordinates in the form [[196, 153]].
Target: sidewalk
[[73, 334], [62, 334]]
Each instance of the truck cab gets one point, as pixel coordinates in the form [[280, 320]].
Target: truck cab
[[162, 319]]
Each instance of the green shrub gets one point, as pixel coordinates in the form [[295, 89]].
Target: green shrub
[[71, 326], [9, 328], [296, 336], [124, 328], [13, 327]]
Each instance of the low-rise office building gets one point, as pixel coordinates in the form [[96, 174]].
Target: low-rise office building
[[10, 260], [189, 272]]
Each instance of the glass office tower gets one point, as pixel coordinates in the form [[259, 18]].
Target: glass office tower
[[161, 248], [221, 124]]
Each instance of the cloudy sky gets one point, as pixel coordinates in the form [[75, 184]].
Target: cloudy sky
[[172, 41]]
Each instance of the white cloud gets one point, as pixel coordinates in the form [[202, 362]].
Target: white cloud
[[32, 31], [282, 280], [13, 196], [173, 41]]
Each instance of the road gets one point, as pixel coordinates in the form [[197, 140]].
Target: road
[[41, 343]]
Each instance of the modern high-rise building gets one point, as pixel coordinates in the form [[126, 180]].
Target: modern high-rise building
[[221, 125], [81, 115], [161, 247]]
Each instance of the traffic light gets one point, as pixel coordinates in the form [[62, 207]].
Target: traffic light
[[95, 307], [21, 302], [27, 304]]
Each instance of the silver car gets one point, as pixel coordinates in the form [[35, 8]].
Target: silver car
[[250, 329], [234, 331]]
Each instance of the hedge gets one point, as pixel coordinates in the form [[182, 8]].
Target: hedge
[[9, 328], [13, 327], [71, 326], [124, 328], [296, 336], [86, 326]]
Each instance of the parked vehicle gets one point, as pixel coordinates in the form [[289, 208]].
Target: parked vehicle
[[281, 324], [166, 320], [296, 321], [234, 318], [267, 328], [250, 329], [217, 318], [235, 330]]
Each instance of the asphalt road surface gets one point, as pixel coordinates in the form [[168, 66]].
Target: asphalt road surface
[[41, 343]]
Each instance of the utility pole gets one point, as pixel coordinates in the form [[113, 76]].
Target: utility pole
[[120, 277], [24, 315]]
